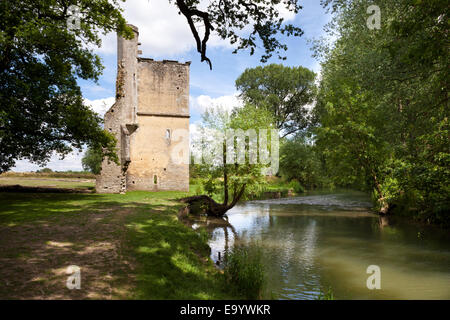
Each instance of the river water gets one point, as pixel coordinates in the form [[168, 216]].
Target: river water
[[328, 240]]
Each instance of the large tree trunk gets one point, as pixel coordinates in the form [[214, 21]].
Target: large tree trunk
[[213, 208]]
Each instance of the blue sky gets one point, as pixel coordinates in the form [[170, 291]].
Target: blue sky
[[165, 35]]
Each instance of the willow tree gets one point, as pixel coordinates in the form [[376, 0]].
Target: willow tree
[[233, 152]]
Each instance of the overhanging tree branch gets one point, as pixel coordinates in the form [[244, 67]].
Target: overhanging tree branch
[[192, 12], [229, 19]]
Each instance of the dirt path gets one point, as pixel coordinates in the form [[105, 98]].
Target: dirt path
[[34, 257]]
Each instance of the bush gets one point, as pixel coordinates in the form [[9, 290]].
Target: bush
[[298, 188], [244, 270]]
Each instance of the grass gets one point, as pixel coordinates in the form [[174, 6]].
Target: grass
[[245, 272], [174, 260], [53, 174], [128, 246], [326, 295], [72, 183]]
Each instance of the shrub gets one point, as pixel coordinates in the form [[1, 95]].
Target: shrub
[[298, 188]]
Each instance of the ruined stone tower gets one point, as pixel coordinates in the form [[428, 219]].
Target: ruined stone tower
[[152, 102]]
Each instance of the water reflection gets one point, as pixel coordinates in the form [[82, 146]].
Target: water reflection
[[312, 242], [383, 221]]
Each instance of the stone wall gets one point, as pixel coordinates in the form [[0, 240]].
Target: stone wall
[[152, 103]]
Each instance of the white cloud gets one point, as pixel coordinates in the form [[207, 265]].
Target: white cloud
[[72, 161], [194, 131], [201, 103], [285, 13], [100, 106], [162, 31]]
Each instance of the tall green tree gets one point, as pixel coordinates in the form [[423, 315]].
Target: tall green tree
[[287, 92], [224, 178], [92, 160], [383, 103], [41, 57], [299, 160]]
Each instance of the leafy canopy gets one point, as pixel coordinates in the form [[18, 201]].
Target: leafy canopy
[[41, 106], [223, 180], [286, 92], [231, 19], [383, 103]]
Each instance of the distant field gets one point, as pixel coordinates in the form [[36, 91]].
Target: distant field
[[56, 174], [73, 183]]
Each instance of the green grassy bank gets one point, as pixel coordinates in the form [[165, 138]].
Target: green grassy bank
[[128, 246]]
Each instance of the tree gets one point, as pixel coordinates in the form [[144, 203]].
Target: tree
[[221, 140], [383, 103], [299, 160], [286, 92], [229, 18], [41, 106], [92, 160]]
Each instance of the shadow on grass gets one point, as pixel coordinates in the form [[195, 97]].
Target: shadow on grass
[[127, 246], [173, 258]]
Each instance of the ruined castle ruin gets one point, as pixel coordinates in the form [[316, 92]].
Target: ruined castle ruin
[[152, 101]]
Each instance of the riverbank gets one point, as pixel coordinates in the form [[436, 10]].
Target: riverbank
[[128, 246], [403, 209]]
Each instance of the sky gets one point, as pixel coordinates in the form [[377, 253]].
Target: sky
[[164, 34]]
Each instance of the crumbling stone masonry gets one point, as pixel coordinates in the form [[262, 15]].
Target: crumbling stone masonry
[[152, 100]]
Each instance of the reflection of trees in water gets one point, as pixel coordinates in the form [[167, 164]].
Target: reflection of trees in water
[[211, 225], [383, 221], [290, 251]]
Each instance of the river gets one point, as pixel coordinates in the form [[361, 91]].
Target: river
[[328, 240]]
